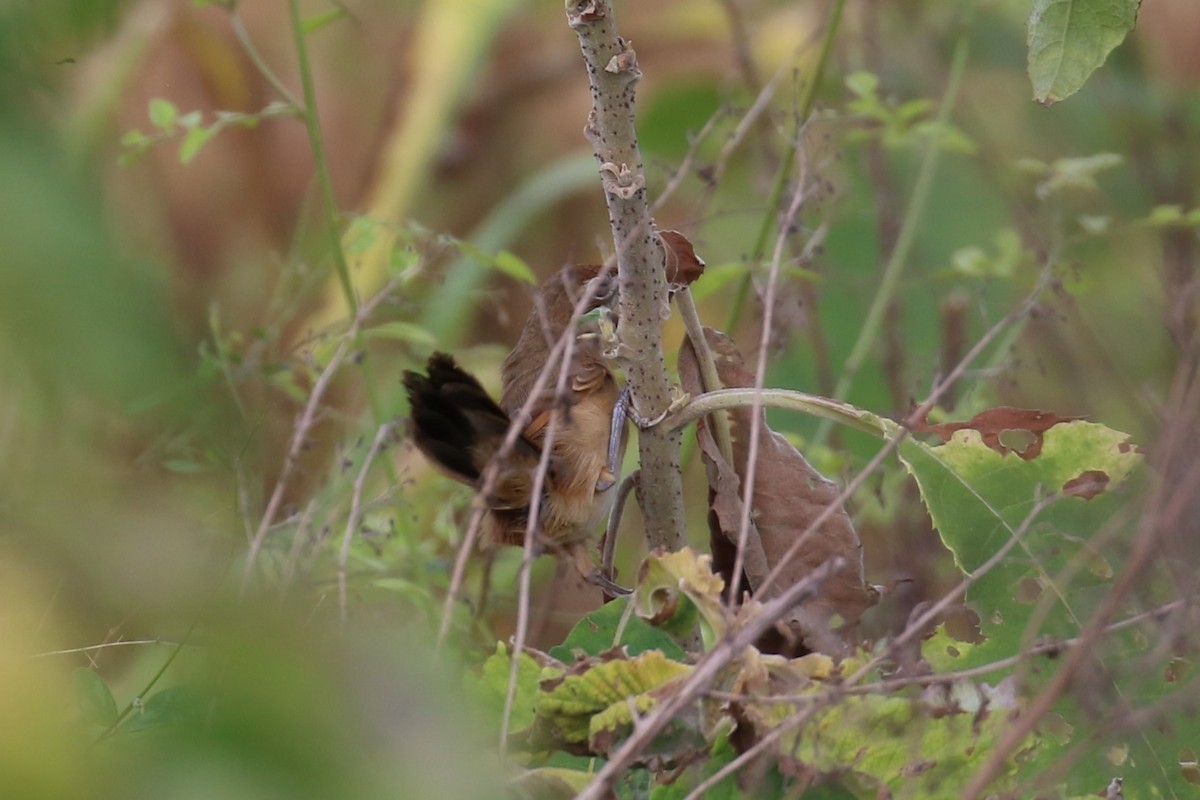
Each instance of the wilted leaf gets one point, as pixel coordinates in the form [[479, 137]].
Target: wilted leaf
[[683, 266], [789, 495], [674, 589], [1069, 39]]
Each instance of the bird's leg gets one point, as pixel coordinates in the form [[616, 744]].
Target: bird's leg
[[587, 569], [616, 432]]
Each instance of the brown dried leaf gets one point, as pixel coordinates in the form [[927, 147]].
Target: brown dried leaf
[[995, 424], [789, 494], [683, 266]]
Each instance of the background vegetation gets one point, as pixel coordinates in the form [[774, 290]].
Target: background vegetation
[[228, 227]]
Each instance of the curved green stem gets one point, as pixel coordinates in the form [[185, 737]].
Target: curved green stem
[[823, 407]]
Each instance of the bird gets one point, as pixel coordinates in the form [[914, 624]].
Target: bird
[[460, 429]]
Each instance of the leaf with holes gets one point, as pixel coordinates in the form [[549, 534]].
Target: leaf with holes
[[1059, 508]]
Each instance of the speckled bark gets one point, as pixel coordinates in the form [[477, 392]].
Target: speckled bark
[[613, 74]]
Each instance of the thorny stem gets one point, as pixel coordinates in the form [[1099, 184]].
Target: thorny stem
[[890, 280], [613, 74]]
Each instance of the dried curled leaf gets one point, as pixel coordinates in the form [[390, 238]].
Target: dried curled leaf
[[789, 495], [683, 266], [675, 588]]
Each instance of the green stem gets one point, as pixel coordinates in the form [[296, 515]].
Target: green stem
[[239, 30], [317, 143], [807, 102], [116, 723], [789, 399], [325, 183], [904, 240]]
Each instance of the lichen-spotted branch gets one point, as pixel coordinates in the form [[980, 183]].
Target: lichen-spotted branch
[[613, 74]]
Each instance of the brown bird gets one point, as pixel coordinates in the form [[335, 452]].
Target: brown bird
[[460, 429]]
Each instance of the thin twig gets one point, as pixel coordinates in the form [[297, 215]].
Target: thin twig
[[122, 643], [492, 473], [756, 415], [243, 37], [356, 510], [300, 433]]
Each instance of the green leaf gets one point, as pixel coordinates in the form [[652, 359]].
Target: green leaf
[[163, 114], [490, 687], [192, 142], [94, 697], [514, 267], [1069, 39], [863, 84], [549, 783], [403, 331], [980, 499], [1076, 173], [318, 21], [187, 704], [597, 632]]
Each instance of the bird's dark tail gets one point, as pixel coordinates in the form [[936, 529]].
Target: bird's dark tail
[[455, 423]]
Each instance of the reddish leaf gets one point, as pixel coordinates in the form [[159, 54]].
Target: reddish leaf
[[995, 423], [684, 267], [1087, 484]]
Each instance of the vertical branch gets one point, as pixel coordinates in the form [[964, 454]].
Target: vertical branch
[[613, 74]]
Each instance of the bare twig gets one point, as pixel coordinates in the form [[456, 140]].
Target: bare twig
[[303, 427], [756, 416], [355, 517], [106, 645]]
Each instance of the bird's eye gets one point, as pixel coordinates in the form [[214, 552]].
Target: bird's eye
[[605, 288]]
